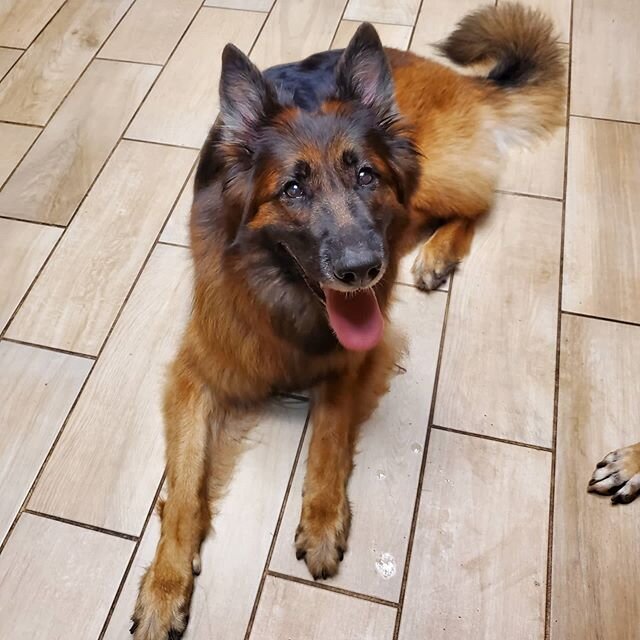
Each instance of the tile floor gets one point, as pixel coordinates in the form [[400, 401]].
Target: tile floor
[[471, 518]]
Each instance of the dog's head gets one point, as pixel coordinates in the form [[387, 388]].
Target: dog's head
[[319, 189]]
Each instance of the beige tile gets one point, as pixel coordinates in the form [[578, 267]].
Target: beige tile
[[15, 140], [183, 103], [290, 610], [150, 30], [392, 35], [296, 29], [479, 559], [602, 236], [79, 293], [20, 22], [7, 59], [107, 465], [237, 552], [23, 249], [437, 19], [39, 81], [538, 171], [37, 389], [596, 549], [383, 486], [604, 81], [57, 581], [393, 11], [558, 10], [60, 167], [176, 230], [498, 363], [247, 5]]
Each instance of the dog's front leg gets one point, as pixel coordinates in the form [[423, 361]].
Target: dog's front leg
[[191, 421]]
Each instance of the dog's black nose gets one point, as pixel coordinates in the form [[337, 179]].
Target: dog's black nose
[[358, 269]]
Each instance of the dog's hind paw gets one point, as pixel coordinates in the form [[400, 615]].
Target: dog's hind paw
[[618, 475]]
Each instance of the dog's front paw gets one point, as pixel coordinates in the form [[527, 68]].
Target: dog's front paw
[[618, 474], [162, 608], [430, 270], [321, 540]]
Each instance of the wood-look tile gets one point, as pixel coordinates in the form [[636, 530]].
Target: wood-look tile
[[23, 249], [596, 548], [538, 171], [58, 170], [296, 29], [247, 5], [15, 140], [602, 235], [7, 59], [79, 293], [498, 363], [182, 105], [605, 82], [383, 486], [237, 551], [107, 465], [150, 30], [176, 230], [21, 22], [37, 389], [290, 610], [479, 558], [57, 581], [394, 11], [392, 35], [39, 81], [437, 19]]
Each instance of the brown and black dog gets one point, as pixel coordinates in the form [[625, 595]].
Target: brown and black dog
[[317, 177]]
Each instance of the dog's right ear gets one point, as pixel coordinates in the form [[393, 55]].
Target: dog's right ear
[[246, 98]]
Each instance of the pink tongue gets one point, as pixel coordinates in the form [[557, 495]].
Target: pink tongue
[[355, 318]]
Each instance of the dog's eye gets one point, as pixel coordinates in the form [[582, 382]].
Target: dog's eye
[[293, 190], [365, 177]]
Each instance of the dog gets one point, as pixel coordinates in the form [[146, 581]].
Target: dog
[[618, 475], [316, 178]]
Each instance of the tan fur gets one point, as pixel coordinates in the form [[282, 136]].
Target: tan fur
[[618, 475]]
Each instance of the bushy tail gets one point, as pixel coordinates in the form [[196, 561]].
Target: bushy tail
[[528, 72]]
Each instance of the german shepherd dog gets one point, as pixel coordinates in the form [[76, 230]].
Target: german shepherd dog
[[316, 178]]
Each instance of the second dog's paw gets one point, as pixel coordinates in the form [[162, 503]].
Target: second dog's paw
[[618, 475]]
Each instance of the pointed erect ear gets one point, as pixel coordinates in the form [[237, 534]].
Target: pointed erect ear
[[364, 74], [245, 96]]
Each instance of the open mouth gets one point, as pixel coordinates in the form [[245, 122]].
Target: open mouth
[[354, 316]]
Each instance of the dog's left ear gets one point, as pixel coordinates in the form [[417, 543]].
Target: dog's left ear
[[363, 73]]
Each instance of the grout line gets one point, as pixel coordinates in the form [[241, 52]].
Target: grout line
[[556, 393], [332, 589], [38, 223], [173, 244], [162, 144], [423, 464], [46, 24], [134, 553], [82, 525], [35, 345], [144, 64], [426, 293], [527, 195], [483, 436], [227, 8], [25, 502], [22, 49], [577, 314], [410, 43], [22, 124], [8, 71], [582, 117], [335, 32], [276, 531]]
